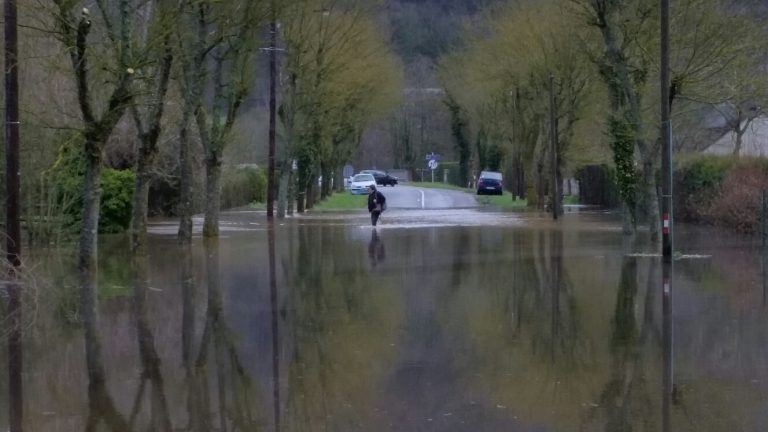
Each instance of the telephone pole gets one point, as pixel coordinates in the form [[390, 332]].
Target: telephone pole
[[666, 136], [272, 112]]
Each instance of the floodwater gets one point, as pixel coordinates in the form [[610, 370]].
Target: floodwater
[[459, 320]]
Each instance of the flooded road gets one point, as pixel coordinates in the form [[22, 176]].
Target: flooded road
[[454, 320]]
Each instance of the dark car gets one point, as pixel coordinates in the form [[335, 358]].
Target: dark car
[[490, 182], [382, 178]]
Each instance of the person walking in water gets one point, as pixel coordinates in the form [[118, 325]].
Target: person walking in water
[[377, 203]]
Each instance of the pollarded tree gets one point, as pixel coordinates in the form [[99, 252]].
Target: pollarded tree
[[152, 82], [217, 46], [625, 29], [100, 114]]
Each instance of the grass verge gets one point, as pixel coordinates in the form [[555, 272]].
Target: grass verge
[[506, 201], [343, 201], [437, 185]]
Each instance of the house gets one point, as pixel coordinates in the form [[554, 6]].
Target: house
[[754, 142]]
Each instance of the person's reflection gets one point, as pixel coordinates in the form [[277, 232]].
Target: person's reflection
[[376, 252]]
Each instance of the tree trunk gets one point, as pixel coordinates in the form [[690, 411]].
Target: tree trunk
[[739, 139], [291, 192], [325, 187], [652, 200], [140, 204], [185, 178], [282, 194], [212, 197], [88, 267], [311, 194], [338, 179], [627, 224]]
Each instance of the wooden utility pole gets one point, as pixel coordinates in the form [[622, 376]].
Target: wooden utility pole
[[272, 112], [666, 218], [666, 136], [13, 217]]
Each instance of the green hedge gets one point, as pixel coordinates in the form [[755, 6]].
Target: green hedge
[[720, 190], [65, 182], [243, 186]]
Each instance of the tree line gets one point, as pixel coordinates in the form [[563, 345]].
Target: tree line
[[603, 57]]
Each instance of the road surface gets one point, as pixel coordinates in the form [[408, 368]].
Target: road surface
[[409, 197]]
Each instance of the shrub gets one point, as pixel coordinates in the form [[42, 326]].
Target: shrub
[[697, 184], [116, 200], [65, 180], [243, 186], [721, 190], [739, 203]]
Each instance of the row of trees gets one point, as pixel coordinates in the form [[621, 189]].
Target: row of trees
[[603, 55], [339, 76]]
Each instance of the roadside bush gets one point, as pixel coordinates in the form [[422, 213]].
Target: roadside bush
[[738, 205], [243, 186], [721, 190], [65, 180], [697, 184], [116, 200]]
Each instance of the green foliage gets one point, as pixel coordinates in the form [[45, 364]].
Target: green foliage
[[622, 136], [243, 186], [459, 132], [65, 182], [116, 200], [506, 201], [494, 155], [343, 201], [697, 184]]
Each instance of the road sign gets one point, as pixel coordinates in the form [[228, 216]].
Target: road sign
[[432, 164], [432, 157]]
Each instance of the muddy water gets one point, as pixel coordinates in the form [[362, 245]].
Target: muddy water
[[437, 321]]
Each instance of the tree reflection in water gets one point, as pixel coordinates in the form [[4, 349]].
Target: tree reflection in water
[[627, 401], [340, 323], [237, 403]]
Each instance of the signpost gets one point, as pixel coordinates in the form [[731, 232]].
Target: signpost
[[432, 159]]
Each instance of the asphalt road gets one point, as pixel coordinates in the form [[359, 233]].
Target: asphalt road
[[409, 197]]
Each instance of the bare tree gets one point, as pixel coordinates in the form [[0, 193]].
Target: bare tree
[[99, 119], [154, 82], [221, 39]]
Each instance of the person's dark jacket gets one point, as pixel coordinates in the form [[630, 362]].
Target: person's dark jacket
[[375, 198]]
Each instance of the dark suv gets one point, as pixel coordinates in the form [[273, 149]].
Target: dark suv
[[382, 178], [489, 183]]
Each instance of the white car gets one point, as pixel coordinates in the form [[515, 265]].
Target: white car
[[360, 184]]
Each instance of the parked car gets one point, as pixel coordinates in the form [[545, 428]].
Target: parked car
[[360, 183], [490, 182], [382, 178]]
